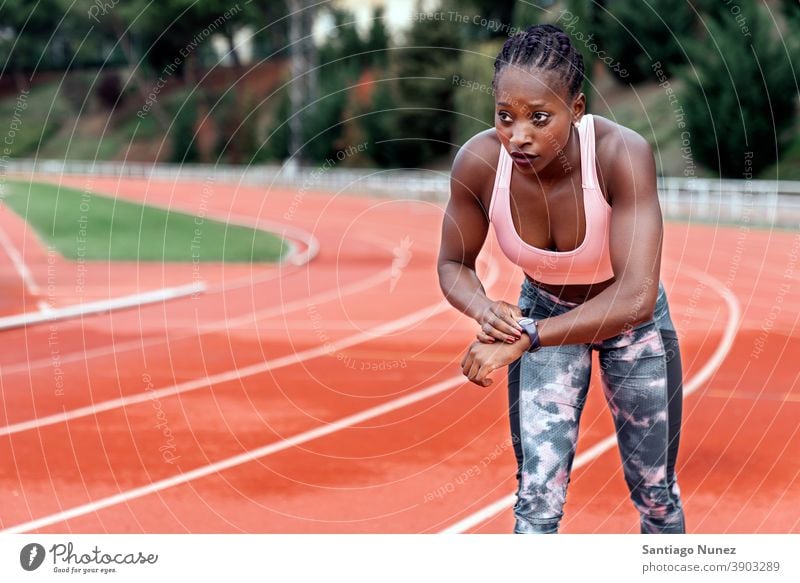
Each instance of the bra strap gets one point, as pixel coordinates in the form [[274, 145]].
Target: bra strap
[[502, 178], [587, 139]]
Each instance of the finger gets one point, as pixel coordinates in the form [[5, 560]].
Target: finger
[[506, 323], [464, 360], [473, 370], [493, 332], [468, 361], [502, 331], [484, 338], [510, 319], [483, 372]]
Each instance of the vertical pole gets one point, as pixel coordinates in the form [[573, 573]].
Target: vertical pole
[[303, 86]]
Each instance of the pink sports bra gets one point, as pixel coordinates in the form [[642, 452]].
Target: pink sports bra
[[591, 261]]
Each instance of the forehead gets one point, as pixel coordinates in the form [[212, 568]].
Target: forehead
[[529, 87]]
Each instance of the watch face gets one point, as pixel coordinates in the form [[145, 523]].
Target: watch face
[[525, 321]]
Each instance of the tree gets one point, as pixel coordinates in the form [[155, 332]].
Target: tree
[[25, 34], [741, 97], [378, 40], [423, 92], [637, 34], [791, 11], [528, 12]]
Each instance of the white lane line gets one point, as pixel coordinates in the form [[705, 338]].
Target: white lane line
[[734, 319], [223, 324], [240, 459], [101, 306], [236, 374], [294, 256], [224, 377], [277, 446], [19, 264]]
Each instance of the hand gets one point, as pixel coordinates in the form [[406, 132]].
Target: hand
[[499, 322], [482, 359]]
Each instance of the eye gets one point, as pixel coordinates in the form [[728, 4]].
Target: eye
[[540, 118], [504, 116]]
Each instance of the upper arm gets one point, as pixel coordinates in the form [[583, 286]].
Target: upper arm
[[466, 221], [636, 221]]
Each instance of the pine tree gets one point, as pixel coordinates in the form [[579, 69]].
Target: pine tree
[[741, 103], [378, 40], [423, 123]]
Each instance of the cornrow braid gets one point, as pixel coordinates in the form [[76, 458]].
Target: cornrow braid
[[545, 47]]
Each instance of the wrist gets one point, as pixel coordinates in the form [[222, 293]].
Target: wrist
[[531, 334], [478, 308], [523, 344]]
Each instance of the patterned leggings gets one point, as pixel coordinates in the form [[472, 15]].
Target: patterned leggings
[[642, 383]]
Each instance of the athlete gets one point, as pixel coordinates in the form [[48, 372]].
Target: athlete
[[572, 199]]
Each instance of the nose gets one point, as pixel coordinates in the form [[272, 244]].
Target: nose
[[520, 137]]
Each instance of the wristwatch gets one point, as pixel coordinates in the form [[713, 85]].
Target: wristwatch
[[529, 327]]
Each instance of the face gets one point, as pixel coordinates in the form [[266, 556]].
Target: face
[[534, 115]]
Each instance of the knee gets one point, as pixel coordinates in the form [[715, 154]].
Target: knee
[[538, 512], [657, 502]]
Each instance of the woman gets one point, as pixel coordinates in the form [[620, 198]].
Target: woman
[[572, 198]]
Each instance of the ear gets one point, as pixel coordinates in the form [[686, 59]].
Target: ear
[[578, 107]]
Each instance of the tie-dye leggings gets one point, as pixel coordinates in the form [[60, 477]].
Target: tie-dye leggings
[[641, 376]]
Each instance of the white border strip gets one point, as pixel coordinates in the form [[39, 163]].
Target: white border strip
[[19, 264], [239, 373], [265, 450], [101, 306], [735, 316], [240, 459]]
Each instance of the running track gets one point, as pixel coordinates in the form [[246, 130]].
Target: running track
[[327, 397]]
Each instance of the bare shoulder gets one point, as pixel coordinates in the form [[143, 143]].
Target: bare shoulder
[[475, 165], [624, 158]]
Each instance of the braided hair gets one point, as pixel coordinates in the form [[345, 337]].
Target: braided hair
[[545, 47]]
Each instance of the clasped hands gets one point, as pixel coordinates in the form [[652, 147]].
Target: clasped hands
[[500, 342]]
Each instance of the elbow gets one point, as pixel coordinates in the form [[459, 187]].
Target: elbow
[[441, 269], [638, 308], [444, 269], [646, 313]]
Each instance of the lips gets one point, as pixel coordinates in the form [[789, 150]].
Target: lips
[[523, 158]]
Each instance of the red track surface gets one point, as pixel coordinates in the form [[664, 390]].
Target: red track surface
[[403, 470]]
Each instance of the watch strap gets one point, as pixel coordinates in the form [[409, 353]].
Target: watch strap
[[531, 329]]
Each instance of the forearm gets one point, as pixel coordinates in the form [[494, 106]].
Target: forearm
[[462, 289], [609, 313]]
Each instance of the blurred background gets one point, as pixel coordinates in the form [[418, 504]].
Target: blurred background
[[268, 81]]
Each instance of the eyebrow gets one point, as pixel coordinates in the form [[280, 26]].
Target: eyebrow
[[531, 105]]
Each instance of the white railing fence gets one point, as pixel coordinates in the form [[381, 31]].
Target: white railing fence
[[757, 202]]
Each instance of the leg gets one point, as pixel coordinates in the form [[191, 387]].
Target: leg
[[552, 384], [634, 376], [513, 412], [675, 404]]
